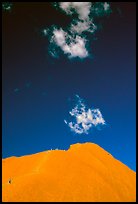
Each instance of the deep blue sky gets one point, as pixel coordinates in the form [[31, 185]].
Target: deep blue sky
[[36, 87]]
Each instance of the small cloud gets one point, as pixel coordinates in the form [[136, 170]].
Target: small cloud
[[45, 32], [106, 6], [7, 6], [65, 121], [85, 118]]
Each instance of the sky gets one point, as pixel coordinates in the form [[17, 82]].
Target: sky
[[69, 76]]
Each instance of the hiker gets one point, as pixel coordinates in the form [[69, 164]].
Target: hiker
[[9, 181]]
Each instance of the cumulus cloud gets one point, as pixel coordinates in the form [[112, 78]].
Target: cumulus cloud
[[85, 118], [72, 41], [82, 8], [75, 47]]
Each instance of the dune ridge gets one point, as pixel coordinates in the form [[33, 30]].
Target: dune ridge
[[84, 172]]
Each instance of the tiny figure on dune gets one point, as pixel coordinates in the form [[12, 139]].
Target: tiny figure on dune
[[9, 181]]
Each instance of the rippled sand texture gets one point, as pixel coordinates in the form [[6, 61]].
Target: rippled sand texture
[[85, 172]]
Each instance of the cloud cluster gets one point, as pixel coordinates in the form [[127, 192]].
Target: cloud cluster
[[85, 118], [76, 47], [73, 42]]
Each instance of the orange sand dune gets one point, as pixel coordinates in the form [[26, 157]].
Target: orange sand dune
[[85, 172]]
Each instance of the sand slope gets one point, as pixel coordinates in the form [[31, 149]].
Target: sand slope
[[85, 172]]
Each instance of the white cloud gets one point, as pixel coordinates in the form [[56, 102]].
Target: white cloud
[[106, 6], [45, 32], [85, 118], [76, 46], [65, 121], [82, 8]]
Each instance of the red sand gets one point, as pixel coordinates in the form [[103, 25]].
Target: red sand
[[85, 172]]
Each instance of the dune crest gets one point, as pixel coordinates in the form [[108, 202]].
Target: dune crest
[[85, 172]]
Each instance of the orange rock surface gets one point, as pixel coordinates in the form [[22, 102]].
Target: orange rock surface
[[85, 172]]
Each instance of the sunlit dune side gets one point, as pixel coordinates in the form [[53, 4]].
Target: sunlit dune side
[[85, 172]]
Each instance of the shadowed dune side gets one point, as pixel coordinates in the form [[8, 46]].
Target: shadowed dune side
[[85, 172]]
